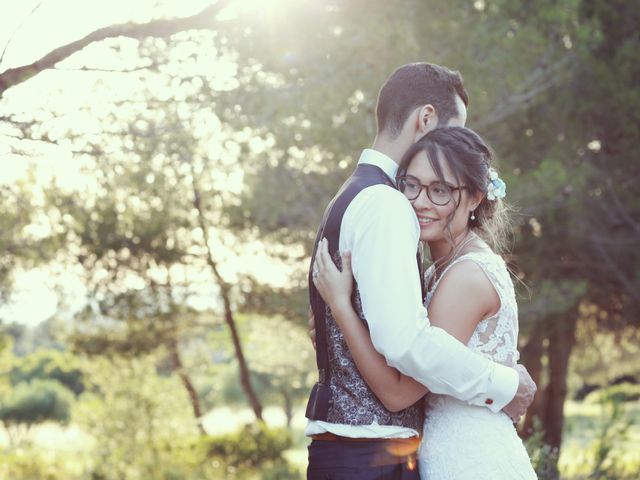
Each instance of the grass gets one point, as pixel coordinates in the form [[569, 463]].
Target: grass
[[584, 426], [584, 423]]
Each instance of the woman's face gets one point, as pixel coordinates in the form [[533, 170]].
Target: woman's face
[[433, 218]]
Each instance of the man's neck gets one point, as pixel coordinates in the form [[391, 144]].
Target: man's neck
[[394, 149]]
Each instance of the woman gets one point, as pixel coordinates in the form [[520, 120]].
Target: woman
[[448, 178]]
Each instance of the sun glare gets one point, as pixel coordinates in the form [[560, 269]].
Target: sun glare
[[262, 7]]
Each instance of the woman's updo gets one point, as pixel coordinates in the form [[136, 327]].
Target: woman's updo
[[470, 161]]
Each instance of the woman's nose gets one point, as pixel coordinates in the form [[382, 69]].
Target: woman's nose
[[422, 200]]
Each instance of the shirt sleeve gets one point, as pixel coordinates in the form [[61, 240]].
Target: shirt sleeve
[[382, 232]]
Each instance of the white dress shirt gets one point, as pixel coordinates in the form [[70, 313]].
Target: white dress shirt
[[380, 229]]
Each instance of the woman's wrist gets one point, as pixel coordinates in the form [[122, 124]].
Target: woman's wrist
[[340, 305]]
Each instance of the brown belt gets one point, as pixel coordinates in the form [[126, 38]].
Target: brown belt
[[331, 437]]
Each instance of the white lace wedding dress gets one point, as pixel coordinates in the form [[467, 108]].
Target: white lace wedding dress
[[461, 441]]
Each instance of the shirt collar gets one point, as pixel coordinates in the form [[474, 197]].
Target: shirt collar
[[380, 160]]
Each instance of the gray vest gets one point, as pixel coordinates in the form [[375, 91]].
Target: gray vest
[[341, 395]]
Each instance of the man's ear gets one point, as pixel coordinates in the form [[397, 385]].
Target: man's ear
[[427, 120]]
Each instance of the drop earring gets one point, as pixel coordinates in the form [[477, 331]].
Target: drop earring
[[473, 215]]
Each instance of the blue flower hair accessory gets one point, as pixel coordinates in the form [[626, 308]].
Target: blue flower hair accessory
[[496, 188]]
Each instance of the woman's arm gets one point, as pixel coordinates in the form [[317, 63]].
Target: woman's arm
[[395, 391], [460, 318]]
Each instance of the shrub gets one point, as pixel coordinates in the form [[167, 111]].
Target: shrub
[[250, 447], [623, 392]]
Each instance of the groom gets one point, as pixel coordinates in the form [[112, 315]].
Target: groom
[[353, 435]]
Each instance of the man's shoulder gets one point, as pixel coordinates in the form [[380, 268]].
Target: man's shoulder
[[382, 196], [379, 205]]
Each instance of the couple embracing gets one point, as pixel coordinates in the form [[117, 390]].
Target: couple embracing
[[418, 373]]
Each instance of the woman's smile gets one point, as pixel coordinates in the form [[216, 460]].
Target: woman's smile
[[426, 222]]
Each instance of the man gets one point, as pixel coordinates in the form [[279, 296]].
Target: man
[[353, 435]]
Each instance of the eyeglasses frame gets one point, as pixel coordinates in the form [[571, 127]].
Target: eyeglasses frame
[[426, 188]]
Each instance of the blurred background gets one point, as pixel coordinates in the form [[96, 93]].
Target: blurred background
[[165, 164]]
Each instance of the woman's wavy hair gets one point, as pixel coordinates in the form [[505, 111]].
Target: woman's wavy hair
[[469, 160]]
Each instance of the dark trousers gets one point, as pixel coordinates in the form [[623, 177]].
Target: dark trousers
[[361, 460]]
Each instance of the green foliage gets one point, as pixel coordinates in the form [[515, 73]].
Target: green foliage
[[549, 298], [6, 362], [615, 395], [553, 86], [544, 458], [291, 302], [27, 464], [143, 429], [281, 360], [252, 446], [614, 429], [601, 355], [16, 211], [601, 436], [49, 364], [134, 416], [35, 402], [281, 353]]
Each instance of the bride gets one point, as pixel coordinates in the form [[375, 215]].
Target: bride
[[457, 196]]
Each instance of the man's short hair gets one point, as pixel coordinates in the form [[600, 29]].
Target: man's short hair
[[414, 85]]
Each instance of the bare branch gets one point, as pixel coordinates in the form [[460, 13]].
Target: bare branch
[[108, 70], [156, 28], [13, 34], [17, 123]]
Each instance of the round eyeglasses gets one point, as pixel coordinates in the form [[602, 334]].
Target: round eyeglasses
[[439, 193]]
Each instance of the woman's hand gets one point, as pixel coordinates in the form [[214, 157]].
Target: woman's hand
[[335, 287], [393, 389]]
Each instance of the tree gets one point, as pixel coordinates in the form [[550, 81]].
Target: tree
[[150, 222], [139, 419], [49, 364], [282, 357], [281, 360], [297, 107], [31, 403]]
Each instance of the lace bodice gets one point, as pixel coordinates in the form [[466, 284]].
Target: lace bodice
[[495, 337]]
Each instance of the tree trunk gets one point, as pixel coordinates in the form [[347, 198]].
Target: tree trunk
[[188, 384], [288, 406], [532, 359], [245, 378], [561, 343]]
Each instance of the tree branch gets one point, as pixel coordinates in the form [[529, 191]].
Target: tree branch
[[4, 50], [625, 283], [155, 28], [540, 80], [108, 70]]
